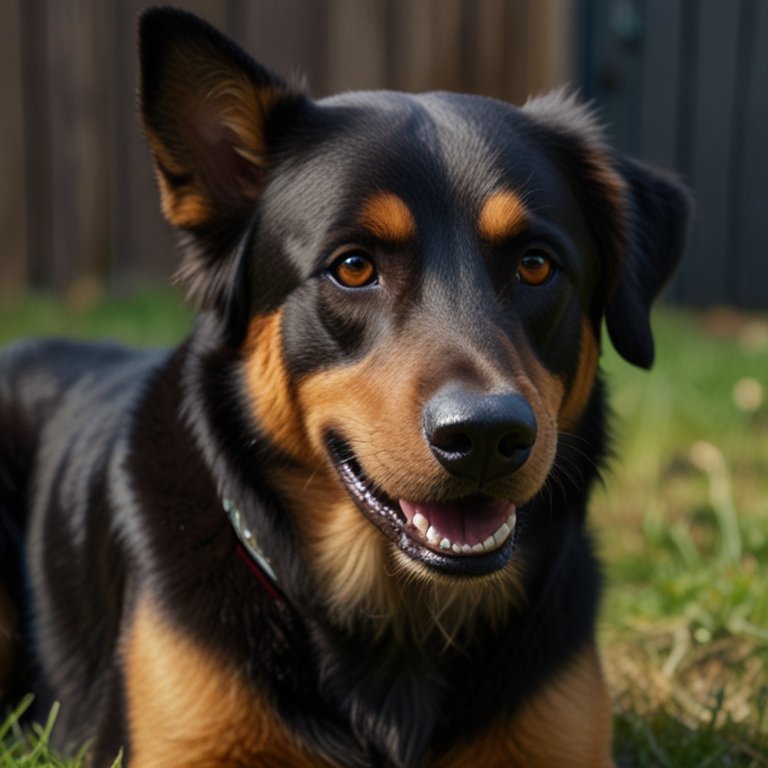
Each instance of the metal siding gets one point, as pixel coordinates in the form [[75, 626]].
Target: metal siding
[[692, 95], [751, 215]]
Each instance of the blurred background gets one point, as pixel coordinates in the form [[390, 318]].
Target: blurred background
[[681, 83], [682, 523]]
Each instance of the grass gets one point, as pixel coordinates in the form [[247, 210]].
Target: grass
[[681, 525], [683, 528], [153, 317], [30, 748]]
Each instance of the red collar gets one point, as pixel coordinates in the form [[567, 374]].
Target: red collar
[[270, 587], [251, 553]]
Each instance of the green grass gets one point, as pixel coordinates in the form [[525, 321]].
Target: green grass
[[151, 318], [681, 525], [29, 747]]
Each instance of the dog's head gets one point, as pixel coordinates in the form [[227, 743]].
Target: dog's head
[[416, 287]]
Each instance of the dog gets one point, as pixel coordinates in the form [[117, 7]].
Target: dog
[[343, 523]]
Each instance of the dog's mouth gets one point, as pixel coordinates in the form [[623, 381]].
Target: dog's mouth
[[474, 535]]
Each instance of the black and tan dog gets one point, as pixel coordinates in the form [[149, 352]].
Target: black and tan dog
[[343, 523]]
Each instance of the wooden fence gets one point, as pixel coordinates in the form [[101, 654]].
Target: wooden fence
[[78, 205], [682, 83]]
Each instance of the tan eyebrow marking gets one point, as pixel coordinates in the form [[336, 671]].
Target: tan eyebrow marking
[[502, 216], [387, 217]]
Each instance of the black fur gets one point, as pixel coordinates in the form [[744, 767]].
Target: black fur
[[114, 463]]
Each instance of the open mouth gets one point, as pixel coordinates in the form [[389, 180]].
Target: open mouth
[[473, 535]]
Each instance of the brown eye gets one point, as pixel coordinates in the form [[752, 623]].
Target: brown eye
[[355, 270], [535, 269]]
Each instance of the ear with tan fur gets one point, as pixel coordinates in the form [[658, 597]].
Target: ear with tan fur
[[210, 114], [205, 105]]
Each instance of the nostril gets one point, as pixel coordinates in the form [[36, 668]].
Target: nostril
[[451, 441], [511, 445], [517, 442]]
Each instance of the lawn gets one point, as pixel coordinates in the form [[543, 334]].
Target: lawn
[[681, 524]]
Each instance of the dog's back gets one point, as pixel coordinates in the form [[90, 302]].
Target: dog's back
[[60, 400]]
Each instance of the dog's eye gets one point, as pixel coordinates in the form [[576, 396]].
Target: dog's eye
[[535, 268], [354, 270]]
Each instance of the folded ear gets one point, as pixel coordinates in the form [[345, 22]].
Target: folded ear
[[656, 210], [209, 113], [638, 217]]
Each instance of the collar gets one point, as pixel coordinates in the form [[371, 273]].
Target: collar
[[250, 550]]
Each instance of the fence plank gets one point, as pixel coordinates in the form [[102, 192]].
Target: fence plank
[[13, 214], [357, 49], [613, 67], [547, 51], [78, 170], [714, 85], [516, 60], [661, 69], [410, 61], [490, 44], [662, 94], [448, 49], [751, 214], [288, 36], [37, 157]]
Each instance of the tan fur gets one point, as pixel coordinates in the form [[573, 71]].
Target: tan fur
[[584, 381], [388, 218], [566, 725], [187, 709], [365, 577], [376, 405], [350, 557], [270, 390], [567, 404], [614, 192], [502, 216], [224, 107]]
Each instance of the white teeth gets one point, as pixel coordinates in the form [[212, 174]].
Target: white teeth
[[502, 534], [421, 523], [437, 539]]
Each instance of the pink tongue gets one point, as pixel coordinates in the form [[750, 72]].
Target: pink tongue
[[463, 522]]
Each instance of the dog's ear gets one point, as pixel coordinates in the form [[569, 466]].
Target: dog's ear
[[638, 218], [205, 105], [656, 210], [210, 113]]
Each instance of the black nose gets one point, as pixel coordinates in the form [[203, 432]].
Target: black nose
[[479, 437]]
